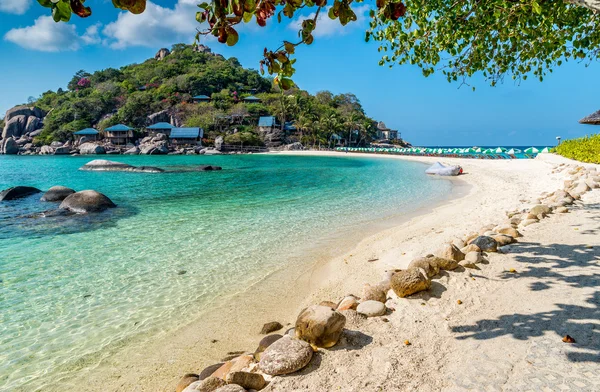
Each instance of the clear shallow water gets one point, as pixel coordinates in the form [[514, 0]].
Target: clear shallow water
[[72, 288]]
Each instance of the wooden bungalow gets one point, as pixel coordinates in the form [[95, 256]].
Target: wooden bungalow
[[186, 136], [385, 133], [201, 98], [251, 99], [161, 127], [119, 134], [88, 133]]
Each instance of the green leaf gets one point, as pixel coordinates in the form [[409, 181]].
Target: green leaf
[[232, 37], [289, 47], [45, 3], [536, 7], [61, 11]]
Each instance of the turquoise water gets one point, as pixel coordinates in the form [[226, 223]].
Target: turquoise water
[[72, 288]]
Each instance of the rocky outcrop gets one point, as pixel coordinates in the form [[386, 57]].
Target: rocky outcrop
[[320, 326], [57, 193], [162, 116], [14, 127], [287, 355], [9, 146], [17, 192], [411, 281], [162, 53], [154, 148], [86, 201], [218, 143], [21, 120], [91, 149], [297, 146]]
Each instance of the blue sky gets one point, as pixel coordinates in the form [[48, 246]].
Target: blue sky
[[39, 55]]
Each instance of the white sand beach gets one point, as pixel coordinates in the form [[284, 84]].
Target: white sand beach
[[505, 335]]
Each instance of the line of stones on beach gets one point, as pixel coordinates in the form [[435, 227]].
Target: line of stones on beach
[[321, 326]]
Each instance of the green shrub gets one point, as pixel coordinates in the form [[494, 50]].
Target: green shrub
[[585, 149]]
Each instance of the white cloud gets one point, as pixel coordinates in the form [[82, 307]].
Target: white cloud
[[45, 35], [92, 34], [327, 27], [18, 7], [155, 27]]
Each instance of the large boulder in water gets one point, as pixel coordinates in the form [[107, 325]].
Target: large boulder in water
[[17, 192], [91, 149], [209, 168], [105, 165], [14, 126], [57, 193], [86, 201]]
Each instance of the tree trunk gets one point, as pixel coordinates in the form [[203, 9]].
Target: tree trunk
[[591, 4]]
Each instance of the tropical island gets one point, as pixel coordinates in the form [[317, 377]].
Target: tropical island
[[181, 101]]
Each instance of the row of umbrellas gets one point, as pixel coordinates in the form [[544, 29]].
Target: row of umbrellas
[[446, 151]]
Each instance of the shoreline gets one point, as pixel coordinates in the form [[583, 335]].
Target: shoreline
[[175, 353]]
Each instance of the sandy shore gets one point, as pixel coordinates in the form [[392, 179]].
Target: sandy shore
[[486, 191]]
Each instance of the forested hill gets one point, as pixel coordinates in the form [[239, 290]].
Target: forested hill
[[166, 84]]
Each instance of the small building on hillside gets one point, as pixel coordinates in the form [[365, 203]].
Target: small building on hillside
[[161, 127], [186, 136], [385, 133], [119, 134], [251, 99], [90, 134], [201, 98], [267, 123]]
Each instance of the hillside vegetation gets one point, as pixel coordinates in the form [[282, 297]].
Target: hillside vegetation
[[167, 84], [585, 149]]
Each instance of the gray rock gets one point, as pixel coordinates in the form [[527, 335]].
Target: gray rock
[[428, 264], [132, 151], [91, 149], [9, 146], [17, 192], [218, 142], [62, 151], [14, 127], [57, 193], [33, 123], [210, 370], [371, 308], [287, 355], [146, 169], [47, 150], [264, 344], [154, 149], [471, 259], [86, 201], [485, 243], [105, 165]]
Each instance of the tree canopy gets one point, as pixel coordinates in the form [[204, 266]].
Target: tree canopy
[[460, 38]]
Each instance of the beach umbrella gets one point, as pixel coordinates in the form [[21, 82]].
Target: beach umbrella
[[478, 150], [531, 150], [500, 150], [511, 151], [546, 149]]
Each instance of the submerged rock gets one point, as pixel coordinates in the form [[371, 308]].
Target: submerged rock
[[57, 193], [287, 355], [87, 201], [320, 326], [209, 168], [18, 192]]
